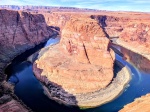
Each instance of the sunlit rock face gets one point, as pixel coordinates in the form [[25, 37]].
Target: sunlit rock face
[[56, 19], [82, 62], [139, 105], [136, 37]]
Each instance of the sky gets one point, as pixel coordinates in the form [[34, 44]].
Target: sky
[[113, 5]]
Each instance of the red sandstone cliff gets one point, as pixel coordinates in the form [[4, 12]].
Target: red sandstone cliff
[[83, 61], [19, 31], [136, 37]]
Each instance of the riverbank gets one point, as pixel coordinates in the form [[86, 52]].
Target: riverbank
[[97, 98]]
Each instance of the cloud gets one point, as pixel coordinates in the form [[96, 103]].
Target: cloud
[[126, 5]]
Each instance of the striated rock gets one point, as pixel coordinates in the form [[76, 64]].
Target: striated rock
[[137, 60], [82, 62], [139, 105], [90, 99], [56, 19], [19, 31], [136, 37], [79, 66], [112, 25]]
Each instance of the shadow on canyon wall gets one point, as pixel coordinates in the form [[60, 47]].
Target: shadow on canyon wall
[[135, 59], [102, 22], [22, 57]]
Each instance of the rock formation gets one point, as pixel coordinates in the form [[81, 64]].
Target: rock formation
[[56, 19], [19, 31], [139, 105], [137, 60], [80, 66], [136, 37], [82, 62]]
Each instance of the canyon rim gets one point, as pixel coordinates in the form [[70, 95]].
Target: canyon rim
[[79, 70]]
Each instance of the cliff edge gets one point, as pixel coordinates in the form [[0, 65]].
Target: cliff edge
[[19, 31]]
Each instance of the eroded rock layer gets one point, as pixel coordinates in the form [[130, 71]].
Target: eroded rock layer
[[19, 31], [136, 37], [80, 48], [82, 62]]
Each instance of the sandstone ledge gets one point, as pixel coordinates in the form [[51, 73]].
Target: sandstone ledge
[[91, 99]]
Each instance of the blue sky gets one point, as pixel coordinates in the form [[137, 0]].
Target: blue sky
[[115, 5]]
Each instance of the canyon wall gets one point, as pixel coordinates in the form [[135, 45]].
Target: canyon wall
[[57, 20], [137, 60], [83, 47], [84, 44], [19, 31], [81, 63], [136, 37]]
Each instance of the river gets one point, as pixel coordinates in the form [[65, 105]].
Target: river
[[30, 90]]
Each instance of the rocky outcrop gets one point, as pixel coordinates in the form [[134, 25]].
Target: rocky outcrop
[[136, 37], [81, 57], [19, 31], [139, 105], [56, 19], [80, 67], [112, 25], [82, 64]]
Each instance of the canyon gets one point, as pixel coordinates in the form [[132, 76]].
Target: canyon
[[82, 63], [17, 34]]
